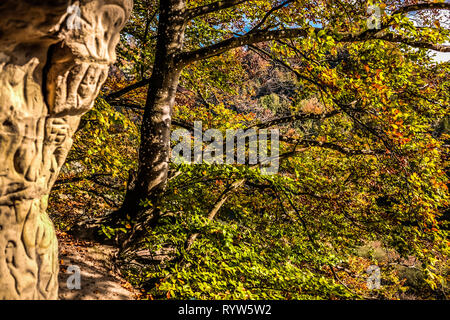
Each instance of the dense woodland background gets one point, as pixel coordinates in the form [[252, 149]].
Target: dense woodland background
[[364, 129]]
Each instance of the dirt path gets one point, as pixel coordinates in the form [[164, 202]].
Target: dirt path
[[97, 281]]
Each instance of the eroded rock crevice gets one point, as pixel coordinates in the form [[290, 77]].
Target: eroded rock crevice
[[54, 57]]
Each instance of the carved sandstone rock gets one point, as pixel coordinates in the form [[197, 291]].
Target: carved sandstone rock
[[54, 57]]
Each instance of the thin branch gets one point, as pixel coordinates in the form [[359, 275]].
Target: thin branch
[[301, 218], [295, 117], [297, 51], [131, 87], [387, 142], [408, 8], [183, 124], [212, 7], [239, 41], [217, 205], [423, 6], [390, 37], [268, 13], [269, 123], [283, 64], [268, 35], [128, 105], [78, 179], [111, 98]]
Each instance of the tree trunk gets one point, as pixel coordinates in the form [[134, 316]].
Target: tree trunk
[[154, 150], [53, 61]]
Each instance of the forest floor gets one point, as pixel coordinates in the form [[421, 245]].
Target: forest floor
[[98, 280]]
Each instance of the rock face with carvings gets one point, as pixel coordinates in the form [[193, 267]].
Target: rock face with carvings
[[54, 57]]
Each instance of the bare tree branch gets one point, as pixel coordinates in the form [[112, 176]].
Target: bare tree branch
[[330, 145], [239, 41], [131, 87], [423, 6], [294, 117], [269, 123], [217, 205], [267, 15], [256, 36], [390, 37], [212, 7]]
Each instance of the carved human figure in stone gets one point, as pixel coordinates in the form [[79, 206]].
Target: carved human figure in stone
[[54, 57]]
